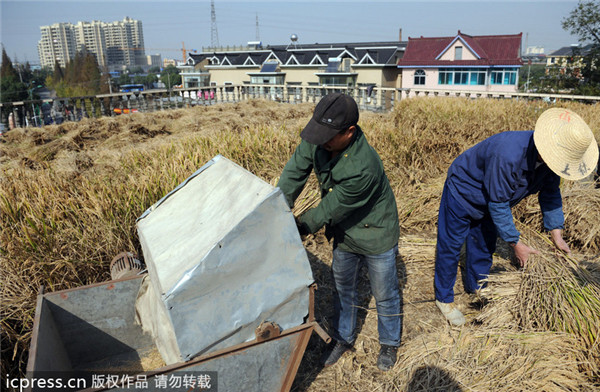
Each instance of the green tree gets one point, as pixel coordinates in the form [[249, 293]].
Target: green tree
[[7, 70], [11, 87], [58, 72], [151, 79], [80, 77], [41, 74], [535, 73], [170, 76], [584, 22], [123, 79], [138, 79], [90, 74], [136, 70], [12, 90], [155, 69]]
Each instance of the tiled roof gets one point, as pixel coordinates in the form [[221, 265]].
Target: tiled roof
[[489, 49], [382, 53], [568, 50]]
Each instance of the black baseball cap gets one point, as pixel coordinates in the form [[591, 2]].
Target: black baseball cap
[[334, 113]]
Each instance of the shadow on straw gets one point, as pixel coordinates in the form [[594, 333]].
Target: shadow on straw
[[431, 379]]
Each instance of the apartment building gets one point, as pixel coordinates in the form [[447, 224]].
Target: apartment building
[[116, 45], [125, 43], [90, 36], [154, 60], [57, 43], [358, 64]]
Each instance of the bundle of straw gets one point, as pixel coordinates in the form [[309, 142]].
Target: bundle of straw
[[307, 199], [581, 205], [490, 360], [559, 294], [556, 293]]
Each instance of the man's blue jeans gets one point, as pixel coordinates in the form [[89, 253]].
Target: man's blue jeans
[[384, 286]]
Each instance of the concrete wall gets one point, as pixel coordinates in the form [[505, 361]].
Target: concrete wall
[[220, 76], [382, 77], [304, 75]]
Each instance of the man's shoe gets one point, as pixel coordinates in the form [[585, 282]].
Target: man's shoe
[[453, 315], [332, 355], [387, 357]]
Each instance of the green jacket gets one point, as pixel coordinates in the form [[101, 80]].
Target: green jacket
[[357, 204]]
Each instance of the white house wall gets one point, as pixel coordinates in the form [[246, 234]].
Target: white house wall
[[432, 77]]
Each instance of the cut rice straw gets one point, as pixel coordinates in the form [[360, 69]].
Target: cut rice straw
[[554, 292]]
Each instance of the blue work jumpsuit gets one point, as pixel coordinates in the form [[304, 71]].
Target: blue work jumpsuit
[[483, 183]]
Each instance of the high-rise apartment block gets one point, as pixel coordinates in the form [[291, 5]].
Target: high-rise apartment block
[[57, 44], [154, 60], [116, 45]]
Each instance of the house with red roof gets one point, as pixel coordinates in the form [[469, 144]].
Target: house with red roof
[[487, 63]]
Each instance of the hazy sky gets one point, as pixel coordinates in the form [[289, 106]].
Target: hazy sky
[[167, 24]]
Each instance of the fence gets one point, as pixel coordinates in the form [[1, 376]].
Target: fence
[[58, 110], [422, 92]]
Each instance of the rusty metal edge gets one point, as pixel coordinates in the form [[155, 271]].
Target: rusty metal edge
[[105, 283], [34, 333], [306, 327], [294, 363], [311, 302]]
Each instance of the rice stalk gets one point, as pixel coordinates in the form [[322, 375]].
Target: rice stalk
[[70, 194]]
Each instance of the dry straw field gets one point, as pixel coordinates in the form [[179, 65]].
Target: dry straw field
[[70, 194]]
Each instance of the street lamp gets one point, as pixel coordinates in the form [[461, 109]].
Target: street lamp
[[30, 91]]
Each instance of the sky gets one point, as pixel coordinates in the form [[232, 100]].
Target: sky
[[168, 24]]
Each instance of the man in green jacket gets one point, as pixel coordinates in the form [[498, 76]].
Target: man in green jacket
[[359, 212]]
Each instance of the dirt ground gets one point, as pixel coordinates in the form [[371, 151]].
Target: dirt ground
[[420, 316]]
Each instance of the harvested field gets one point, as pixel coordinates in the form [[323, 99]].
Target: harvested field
[[70, 194]]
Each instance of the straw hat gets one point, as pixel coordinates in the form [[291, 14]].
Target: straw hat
[[566, 143]]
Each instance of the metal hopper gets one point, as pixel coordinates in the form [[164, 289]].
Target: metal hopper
[[228, 291]]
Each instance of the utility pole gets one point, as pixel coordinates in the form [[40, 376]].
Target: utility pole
[[169, 86], [257, 31], [214, 34], [528, 72]]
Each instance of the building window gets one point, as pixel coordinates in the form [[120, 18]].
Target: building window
[[419, 77], [458, 53], [337, 81], [462, 76], [192, 82], [505, 76], [477, 77], [445, 76], [266, 79]]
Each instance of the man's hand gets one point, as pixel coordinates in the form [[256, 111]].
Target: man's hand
[[302, 229], [522, 252], [559, 242]]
